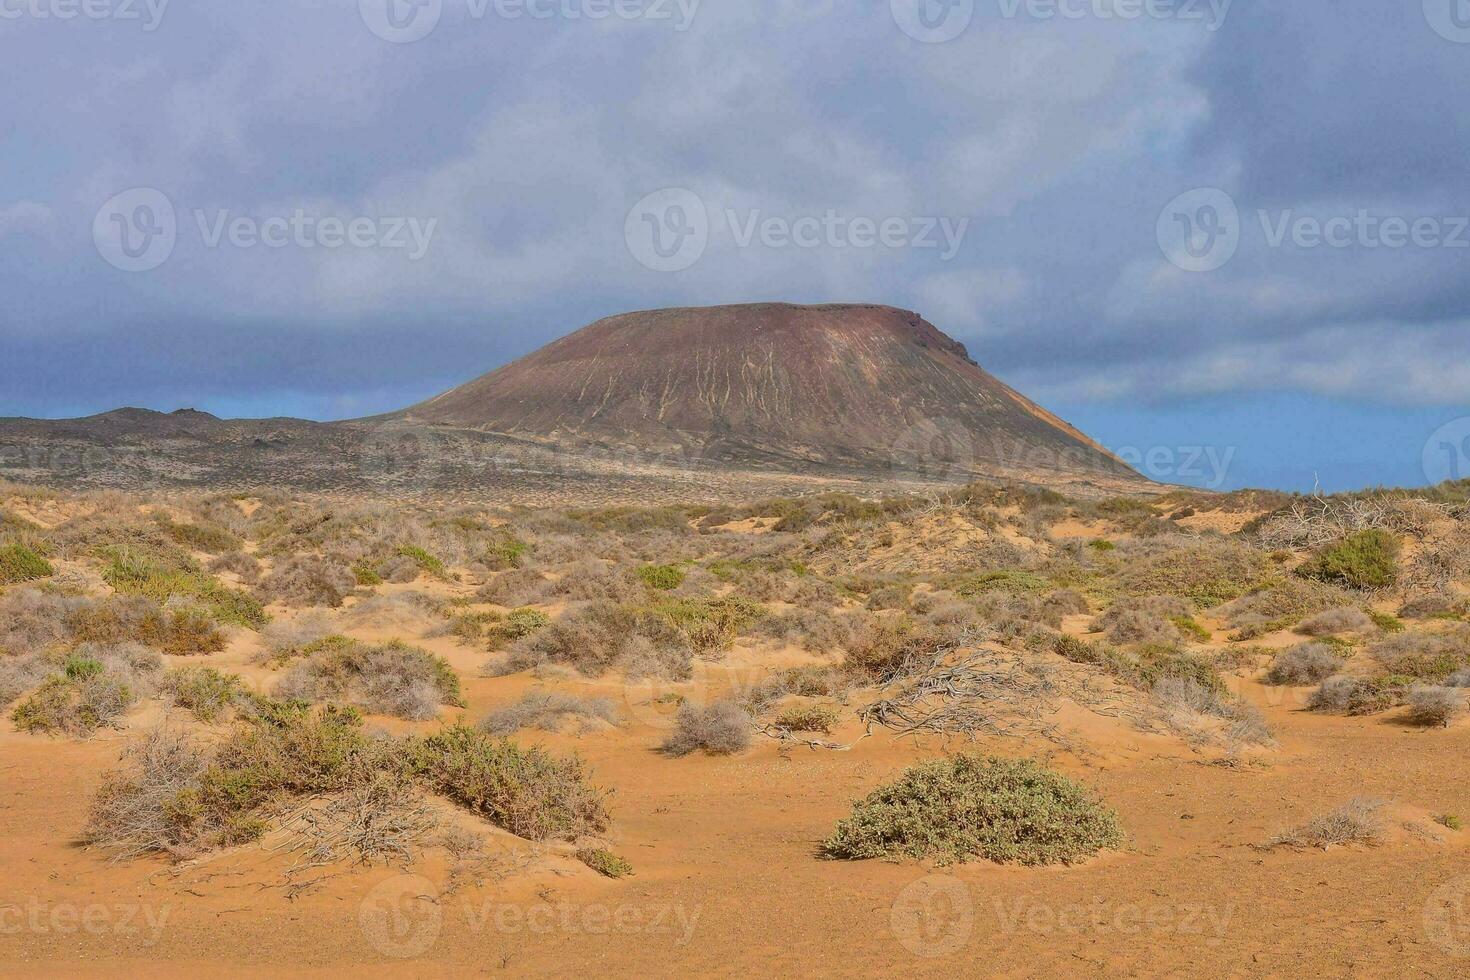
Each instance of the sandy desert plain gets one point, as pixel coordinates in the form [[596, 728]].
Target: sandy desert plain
[[961, 731]]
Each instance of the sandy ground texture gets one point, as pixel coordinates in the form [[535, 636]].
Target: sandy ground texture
[[728, 877]]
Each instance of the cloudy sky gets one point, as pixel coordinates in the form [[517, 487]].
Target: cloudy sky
[[1231, 235]]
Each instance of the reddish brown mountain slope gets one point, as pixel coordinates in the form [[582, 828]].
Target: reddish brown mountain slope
[[869, 387]]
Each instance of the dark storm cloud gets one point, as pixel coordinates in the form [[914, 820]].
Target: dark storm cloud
[[1057, 141]]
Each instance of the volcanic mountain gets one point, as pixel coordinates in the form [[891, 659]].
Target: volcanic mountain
[[772, 385], [667, 401]]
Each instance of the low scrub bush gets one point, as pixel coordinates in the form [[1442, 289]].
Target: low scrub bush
[[807, 718], [237, 563], [1142, 668], [426, 562], [550, 711], [1435, 705], [604, 862], [308, 580], [1347, 619], [206, 692], [516, 587], [968, 807], [711, 624], [18, 563], [1357, 695], [391, 679], [286, 639], [883, 648], [1307, 663], [19, 674], [209, 538], [663, 578], [722, 728], [178, 795], [811, 629], [1205, 573], [515, 625], [166, 581], [1434, 605], [528, 792], [1365, 560], [1422, 656], [603, 636], [95, 687], [1356, 822]]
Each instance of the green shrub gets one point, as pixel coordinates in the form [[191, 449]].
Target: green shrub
[[508, 552], [1144, 667], [514, 625], [19, 563], [1365, 560], [664, 578], [1386, 621], [526, 791], [366, 573], [1016, 583], [1207, 574], [1190, 626], [711, 624], [199, 537], [605, 862], [428, 562], [131, 573], [1102, 545], [203, 690], [74, 706], [969, 807]]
